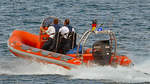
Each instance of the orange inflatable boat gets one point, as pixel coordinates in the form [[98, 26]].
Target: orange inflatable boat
[[103, 52]]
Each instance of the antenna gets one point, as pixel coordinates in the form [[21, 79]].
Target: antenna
[[111, 22]]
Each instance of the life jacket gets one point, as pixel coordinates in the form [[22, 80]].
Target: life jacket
[[50, 44], [63, 44], [71, 36], [57, 27], [70, 28]]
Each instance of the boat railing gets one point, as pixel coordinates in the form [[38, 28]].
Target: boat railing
[[86, 35]]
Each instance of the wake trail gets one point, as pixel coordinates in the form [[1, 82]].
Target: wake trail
[[25, 67], [119, 74], [136, 74]]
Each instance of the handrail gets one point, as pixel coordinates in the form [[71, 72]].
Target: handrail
[[86, 35], [85, 40], [82, 38]]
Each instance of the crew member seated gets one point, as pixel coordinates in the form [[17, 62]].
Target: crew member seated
[[52, 32], [67, 37]]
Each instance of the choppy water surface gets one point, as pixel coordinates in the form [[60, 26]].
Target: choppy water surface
[[128, 18]]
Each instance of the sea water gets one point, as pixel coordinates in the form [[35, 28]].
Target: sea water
[[128, 18]]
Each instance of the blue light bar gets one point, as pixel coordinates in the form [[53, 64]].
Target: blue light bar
[[100, 29]]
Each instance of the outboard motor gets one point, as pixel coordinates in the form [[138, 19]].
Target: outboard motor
[[102, 52]]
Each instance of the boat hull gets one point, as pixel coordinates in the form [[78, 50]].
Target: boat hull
[[27, 46], [26, 51]]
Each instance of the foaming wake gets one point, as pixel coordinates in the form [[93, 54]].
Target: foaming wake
[[25, 67], [119, 74], [134, 74], [140, 72], [143, 67]]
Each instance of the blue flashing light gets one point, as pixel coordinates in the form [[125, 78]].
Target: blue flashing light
[[100, 29]]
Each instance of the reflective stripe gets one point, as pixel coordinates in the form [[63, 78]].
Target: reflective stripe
[[35, 50], [25, 47], [42, 58]]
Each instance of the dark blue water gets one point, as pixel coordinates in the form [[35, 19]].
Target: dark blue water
[[130, 19]]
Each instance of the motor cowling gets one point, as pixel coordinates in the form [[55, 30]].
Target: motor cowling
[[102, 52]]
